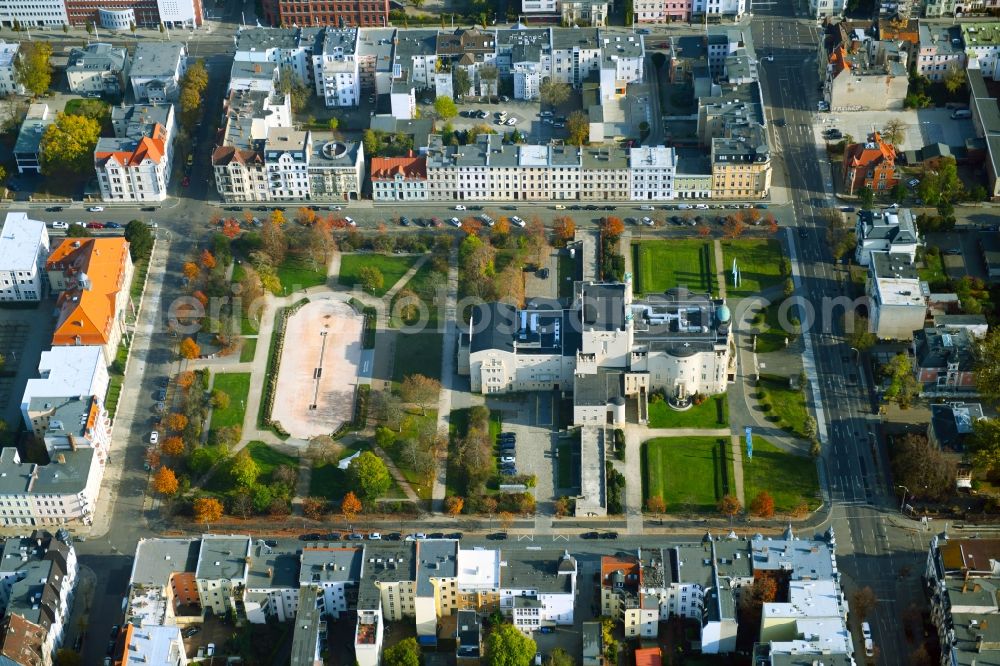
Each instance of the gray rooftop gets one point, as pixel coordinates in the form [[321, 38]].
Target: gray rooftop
[[156, 59], [273, 567], [607, 156], [895, 225], [977, 640], [384, 562], [621, 46], [331, 564], [260, 38], [897, 266], [66, 473], [223, 557], [157, 559], [138, 120], [377, 43], [339, 41], [30, 134], [436, 558], [576, 38], [310, 625], [744, 144], [807, 560], [333, 154], [242, 69], [535, 570], [69, 415], [599, 388], [946, 39], [97, 57], [411, 43]]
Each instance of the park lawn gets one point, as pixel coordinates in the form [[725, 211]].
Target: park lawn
[[299, 273], [567, 273], [393, 267], [689, 473], [266, 457], [662, 265], [248, 350], [933, 271], [790, 479], [425, 283], [411, 427], [772, 335], [787, 406], [759, 262], [568, 452], [330, 482], [705, 415], [237, 385], [417, 353]]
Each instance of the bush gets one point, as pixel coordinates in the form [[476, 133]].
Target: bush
[[616, 489]]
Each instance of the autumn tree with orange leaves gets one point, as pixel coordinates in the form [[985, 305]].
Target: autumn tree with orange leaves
[[564, 229], [189, 349], [207, 260], [350, 506], [472, 225], [305, 216], [704, 231], [207, 510], [191, 271], [230, 228], [612, 226], [175, 421], [453, 505], [733, 227], [173, 446], [165, 482], [762, 505]]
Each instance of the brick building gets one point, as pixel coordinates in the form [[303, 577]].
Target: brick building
[[872, 163], [336, 13]]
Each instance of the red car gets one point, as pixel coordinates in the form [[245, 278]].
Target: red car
[[94, 225], [186, 181]]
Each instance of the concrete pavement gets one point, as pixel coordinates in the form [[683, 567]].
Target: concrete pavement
[[448, 383]]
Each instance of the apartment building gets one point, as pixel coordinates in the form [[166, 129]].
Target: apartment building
[[353, 13], [576, 54], [662, 11], [982, 46], [136, 163], [162, 588], [38, 575], [375, 62], [40, 14], [92, 277], [941, 50], [866, 74], [8, 56], [399, 178], [721, 9], [276, 49], [334, 571], [98, 69], [962, 580], [254, 76], [310, 635], [944, 361], [605, 173], [156, 72], [221, 572], [238, 163], [150, 645], [123, 14], [63, 373], [336, 69], [897, 298], [652, 170], [28, 148], [892, 230], [741, 163], [272, 588], [870, 164], [24, 247]]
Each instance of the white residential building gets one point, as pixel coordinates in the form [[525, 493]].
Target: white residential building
[[336, 170], [891, 230], [575, 55], [897, 298], [820, 9], [63, 373], [537, 588], [539, 6], [136, 164], [653, 169], [157, 68], [98, 69], [222, 571], [254, 76], [180, 13], [24, 247], [289, 49], [399, 178], [63, 492], [621, 63], [27, 150], [982, 46], [152, 644], [584, 12], [402, 100], [286, 161], [729, 9], [336, 68], [941, 50], [8, 55], [36, 14]]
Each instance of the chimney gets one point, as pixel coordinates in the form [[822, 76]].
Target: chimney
[[72, 441], [61, 459]]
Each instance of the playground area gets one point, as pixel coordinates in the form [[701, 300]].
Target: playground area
[[318, 374]]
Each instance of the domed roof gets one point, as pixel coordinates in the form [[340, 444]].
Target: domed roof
[[723, 314]]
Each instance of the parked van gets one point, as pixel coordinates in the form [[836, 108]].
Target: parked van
[[961, 113]]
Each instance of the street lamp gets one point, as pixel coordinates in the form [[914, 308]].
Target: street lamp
[[857, 356], [903, 503]]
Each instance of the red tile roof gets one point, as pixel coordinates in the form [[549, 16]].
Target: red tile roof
[[872, 151], [648, 657], [148, 147], [388, 167]]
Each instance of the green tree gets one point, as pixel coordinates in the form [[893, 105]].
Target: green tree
[[954, 79], [866, 197], [140, 239], [986, 355], [371, 143], [922, 467], [67, 657], [985, 444], [506, 646], [460, 81], [445, 108], [78, 231], [559, 657], [578, 126], [903, 387], [244, 469], [894, 131], [861, 337], [553, 92], [370, 278], [67, 145], [369, 476], [333, 124], [32, 68], [404, 653], [291, 84]]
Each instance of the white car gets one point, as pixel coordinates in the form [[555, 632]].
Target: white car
[[702, 206], [647, 221], [560, 207], [95, 209], [455, 221], [684, 206], [507, 459], [512, 121], [518, 221], [210, 650], [646, 207], [350, 221], [154, 437], [60, 225], [375, 536], [460, 207], [866, 631]]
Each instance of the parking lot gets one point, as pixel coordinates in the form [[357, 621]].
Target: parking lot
[[922, 127], [529, 121], [532, 420]]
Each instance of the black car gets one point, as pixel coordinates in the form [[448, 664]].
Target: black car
[[149, 209], [609, 535], [507, 446], [261, 208], [114, 631], [270, 543], [54, 209], [405, 221], [575, 208], [190, 631], [544, 273], [475, 207], [233, 208], [453, 535], [312, 536], [393, 536], [609, 208], [354, 536], [436, 535], [506, 471], [497, 536], [332, 536], [589, 535], [590, 207]]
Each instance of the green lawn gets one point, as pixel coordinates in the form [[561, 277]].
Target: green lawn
[[568, 452], [759, 262], [567, 271], [425, 283], [330, 481], [790, 479], [713, 413], [392, 266], [689, 473], [786, 407], [417, 353], [933, 271], [266, 457], [248, 349], [237, 385], [772, 334], [298, 273], [114, 394], [662, 265], [412, 425]]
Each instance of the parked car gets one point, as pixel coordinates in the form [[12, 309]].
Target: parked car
[[405, 221], [355, 536], [512, 121], [646, 207], [375, 536], [455, 222], [609, 535], [546, 630], [589, 535], [311, 536], [497, 536], [454, 535], [112, 225], [393, 536], [210, 650], [190, 631], [154, 437], [459, 207], [60, 225], [702, 206], [560, 207], [95, 209], [507, 459], [518, 221], [350, 221], [543, 274], [94, 225]]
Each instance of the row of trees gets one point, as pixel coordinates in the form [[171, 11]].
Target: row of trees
[[192, 91]]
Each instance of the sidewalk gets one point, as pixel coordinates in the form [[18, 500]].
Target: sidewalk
[[447, 375]]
